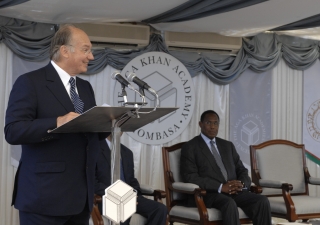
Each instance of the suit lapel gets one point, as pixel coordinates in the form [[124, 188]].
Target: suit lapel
[[55, 85], [205, 150]]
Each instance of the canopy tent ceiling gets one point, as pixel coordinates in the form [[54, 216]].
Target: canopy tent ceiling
[[242, 22]]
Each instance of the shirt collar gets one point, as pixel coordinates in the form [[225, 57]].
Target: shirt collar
[[64, 76], [206, 139], [108, 142]]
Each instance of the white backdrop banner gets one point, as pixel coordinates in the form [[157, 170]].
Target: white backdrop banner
[[250, 111], [311, 109]]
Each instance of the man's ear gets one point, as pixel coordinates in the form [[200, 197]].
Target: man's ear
[[64, 51]]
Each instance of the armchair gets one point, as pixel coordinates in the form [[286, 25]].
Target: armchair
[[177, 190], [279, 167]]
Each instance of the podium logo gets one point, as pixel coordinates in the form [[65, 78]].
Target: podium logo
[[173, 83], [249, 130], [313, 120]]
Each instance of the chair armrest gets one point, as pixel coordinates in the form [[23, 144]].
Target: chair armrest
[[146, 189], [276, 184], [314, 180], [150, 191], [256, 189], [97, 199], [198, 193], [187, 188], [184, 186], [271, 183], [95, 214]]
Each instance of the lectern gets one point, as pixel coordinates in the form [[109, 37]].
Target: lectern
[[114, 119]]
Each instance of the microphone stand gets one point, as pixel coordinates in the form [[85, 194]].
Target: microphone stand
[[157, 100], [137, 105], [141, 90], [116, 148], [124, 93]]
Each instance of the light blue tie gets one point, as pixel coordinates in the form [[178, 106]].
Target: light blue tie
[[77, 102]]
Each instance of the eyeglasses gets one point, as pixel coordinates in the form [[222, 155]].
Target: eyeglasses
[[210, 123], [86, 51]]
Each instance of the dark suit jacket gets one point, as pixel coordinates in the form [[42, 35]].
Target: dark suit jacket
[[198, 166], [103, 169], [56, 171]]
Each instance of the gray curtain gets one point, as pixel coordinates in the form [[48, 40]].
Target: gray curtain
[[299, 53], [259, 53], [313, 21], [7, 3], [29, 40], [118, 59], [195, 9]]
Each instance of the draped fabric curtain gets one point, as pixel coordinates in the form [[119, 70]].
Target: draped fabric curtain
[[118, 59], [259, 53], [195, 9], [7, 3], [8, 214], [31, 41], [312, 21]]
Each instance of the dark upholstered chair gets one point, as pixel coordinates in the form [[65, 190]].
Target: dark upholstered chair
[[279, 167], [177, 190]]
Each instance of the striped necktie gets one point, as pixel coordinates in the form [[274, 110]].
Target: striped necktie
[[77, 102], [218, 159]]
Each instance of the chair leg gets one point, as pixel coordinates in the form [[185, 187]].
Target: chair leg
[[168, 221]]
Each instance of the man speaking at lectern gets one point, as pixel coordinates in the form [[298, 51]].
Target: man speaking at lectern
[[54, 183]]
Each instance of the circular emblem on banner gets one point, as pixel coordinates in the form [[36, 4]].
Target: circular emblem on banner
[[174, 86], [249, 130], [313, 120]]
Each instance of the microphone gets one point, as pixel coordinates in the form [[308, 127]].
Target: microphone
[[132, 77], [117, 76]]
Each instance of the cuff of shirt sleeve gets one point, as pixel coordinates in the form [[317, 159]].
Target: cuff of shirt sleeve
[[219, 190]]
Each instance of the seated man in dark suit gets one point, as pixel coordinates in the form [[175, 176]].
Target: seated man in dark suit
[[155, 212], [214, 165]]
